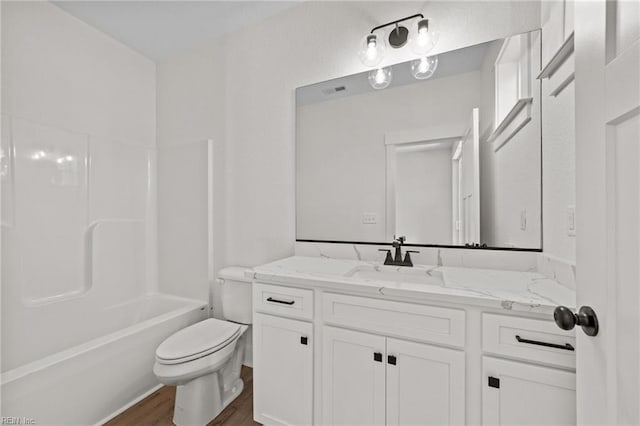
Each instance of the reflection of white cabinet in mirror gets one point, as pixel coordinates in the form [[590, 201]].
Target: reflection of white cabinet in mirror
[[513, 91]]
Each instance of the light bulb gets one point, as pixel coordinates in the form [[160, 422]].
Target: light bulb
[[38, 155], [372, 50], [425, 38], [380, 78], [424, 68]]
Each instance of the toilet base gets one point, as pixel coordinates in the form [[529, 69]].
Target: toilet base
[[198, 402], [201, 400]]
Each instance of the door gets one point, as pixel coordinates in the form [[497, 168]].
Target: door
[[515, 393], [353, 378], [607, 55], [469, 182], [425, 384], [283, 373]]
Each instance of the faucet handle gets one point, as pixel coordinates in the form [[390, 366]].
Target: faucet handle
[[407, 257], [388, 259]]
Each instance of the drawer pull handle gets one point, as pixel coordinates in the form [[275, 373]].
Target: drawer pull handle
[[284, 302], [566, 346]]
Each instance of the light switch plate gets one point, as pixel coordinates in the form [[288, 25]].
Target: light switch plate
[[369, 218], [571, 221], [523, 220]]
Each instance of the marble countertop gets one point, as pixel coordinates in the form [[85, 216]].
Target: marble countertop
[[510, 290]]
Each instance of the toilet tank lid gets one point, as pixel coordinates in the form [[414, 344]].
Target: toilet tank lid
[[236, 273]]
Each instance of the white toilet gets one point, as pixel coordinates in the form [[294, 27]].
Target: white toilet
[[204, 359]]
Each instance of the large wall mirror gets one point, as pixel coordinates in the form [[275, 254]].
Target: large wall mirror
[[450, 160]]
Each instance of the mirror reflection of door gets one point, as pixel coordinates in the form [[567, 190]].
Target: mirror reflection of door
[[433, 187], [422, 191], [466, 185]]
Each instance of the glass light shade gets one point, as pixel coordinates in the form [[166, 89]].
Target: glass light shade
[[372, 50], [424, 68], [380, 78], [424, 39]]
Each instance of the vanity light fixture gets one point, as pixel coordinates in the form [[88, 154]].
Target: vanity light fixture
[[373, 46], [424, 67], [380, 78], [422, 41]]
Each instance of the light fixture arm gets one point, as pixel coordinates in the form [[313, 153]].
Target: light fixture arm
[[397, 21]]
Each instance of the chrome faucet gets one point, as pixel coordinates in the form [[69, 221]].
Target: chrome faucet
[[397, 259]]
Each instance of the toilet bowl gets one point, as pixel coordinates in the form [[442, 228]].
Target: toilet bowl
[[204, 360]]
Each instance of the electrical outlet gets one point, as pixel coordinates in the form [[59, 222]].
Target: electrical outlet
[[369, 218], [571, 221], [523, 220]]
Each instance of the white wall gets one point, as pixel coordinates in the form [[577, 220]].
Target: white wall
[[341, 152], [69, 90], [190, 111]]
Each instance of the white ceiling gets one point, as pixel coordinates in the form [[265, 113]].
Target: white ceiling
[[160, 29]]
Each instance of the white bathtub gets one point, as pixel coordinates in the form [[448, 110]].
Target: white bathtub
[[89, 383]]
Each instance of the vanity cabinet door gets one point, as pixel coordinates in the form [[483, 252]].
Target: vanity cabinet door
[[283, 370], [425, 384], [516, 393], [353, 378]]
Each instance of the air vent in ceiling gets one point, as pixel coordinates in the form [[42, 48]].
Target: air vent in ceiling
[[333, 90]]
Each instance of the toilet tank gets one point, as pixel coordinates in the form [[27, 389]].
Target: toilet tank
[[235, 292]]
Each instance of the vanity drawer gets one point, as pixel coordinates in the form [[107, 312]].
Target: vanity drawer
[[397, 319], [528, 339], [285, 301]]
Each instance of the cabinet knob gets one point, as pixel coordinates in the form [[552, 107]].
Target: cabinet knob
[[585, 318], [377, 356]]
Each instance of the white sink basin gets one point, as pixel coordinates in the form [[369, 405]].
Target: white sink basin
[[396, 274]]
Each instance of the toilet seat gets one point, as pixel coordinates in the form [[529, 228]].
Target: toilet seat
[[197, 341]]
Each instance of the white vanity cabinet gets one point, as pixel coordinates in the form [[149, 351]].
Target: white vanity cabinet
[[353, 377], [523, 392], [283, 358], [425, 384], [517, 393], [368, 379], [374, 380], [380, 360]]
